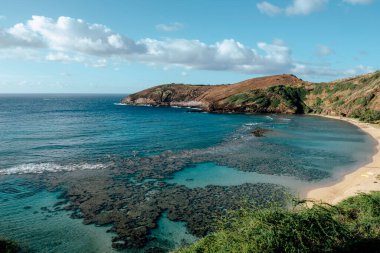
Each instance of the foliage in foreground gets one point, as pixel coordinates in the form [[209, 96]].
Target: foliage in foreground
[[351, 226], [7, 246]]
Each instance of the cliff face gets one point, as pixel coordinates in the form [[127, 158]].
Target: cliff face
[[357, 97]]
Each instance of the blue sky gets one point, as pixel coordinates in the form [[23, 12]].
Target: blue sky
[[123, 46]]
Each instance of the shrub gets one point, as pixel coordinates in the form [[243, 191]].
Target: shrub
[[366, 115], [7, 246], [275, 102], [318, 101], [351, 226], [344, 86], [293, 97], [318, 89]]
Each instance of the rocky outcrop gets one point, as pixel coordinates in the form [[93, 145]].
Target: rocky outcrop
[[213, 98], [356, 97], [170, 95]]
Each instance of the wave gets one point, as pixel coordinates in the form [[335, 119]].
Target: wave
[[269, 117], [253, 124], [38, 168], [119, 104]]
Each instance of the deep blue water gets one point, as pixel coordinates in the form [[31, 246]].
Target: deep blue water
[[72, 132], [69, 128]]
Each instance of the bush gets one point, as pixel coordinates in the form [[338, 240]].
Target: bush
[[293, 97], [275, 102], [351, 226], [318, 89], [318, 101], [7, 246], [344, 86], [366, 115]]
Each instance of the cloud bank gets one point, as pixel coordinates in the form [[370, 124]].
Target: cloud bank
[[74, 40]]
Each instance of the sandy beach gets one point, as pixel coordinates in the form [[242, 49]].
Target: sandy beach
[[365, 179]]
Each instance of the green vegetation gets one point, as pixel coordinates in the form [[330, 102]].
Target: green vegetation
[[372, 78], [7, 246], [344, 86], [293, 97], [271, 98], [241, 98], [351, 226], [318, 101], [364, 101], [366, 115], [318, 89]]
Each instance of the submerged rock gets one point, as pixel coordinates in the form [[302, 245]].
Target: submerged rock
[[259, 132]]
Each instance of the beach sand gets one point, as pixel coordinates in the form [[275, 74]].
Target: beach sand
[[364, 179]]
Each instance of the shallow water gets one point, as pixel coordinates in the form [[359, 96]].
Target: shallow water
[[28, 215], [204, 174], [172, 234], [52, 133]]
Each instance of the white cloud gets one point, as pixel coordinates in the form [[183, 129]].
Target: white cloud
[[101, 63], [73, 40], [358, 1], [61, 57], [224, 55], [269, 9], [170, 27], [305, 7], [323, 50], [68, 34], [297, 7], [360, 69], [318, 71], [301, 7]]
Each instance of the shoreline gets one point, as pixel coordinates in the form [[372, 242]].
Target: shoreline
[[364, 179]]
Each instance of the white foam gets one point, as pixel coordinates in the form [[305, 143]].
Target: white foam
[[269, 117], [119, 104], [252, 124], [38, 168]]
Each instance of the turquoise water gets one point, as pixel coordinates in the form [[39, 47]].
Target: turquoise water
[[204, 174], [29, 216], [172, 234], [55, 133]]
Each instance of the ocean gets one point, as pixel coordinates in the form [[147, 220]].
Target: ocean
[[45, 136]]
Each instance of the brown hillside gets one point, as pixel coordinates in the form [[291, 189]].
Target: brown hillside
[[219, 94], [204, 95], [357, 97]]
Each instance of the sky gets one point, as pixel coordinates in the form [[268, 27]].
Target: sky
[[123, 46]]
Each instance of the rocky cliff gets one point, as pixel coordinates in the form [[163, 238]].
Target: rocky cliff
[[357, 97]]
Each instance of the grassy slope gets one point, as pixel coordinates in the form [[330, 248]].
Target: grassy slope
[[357, 97], [351, 226]]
